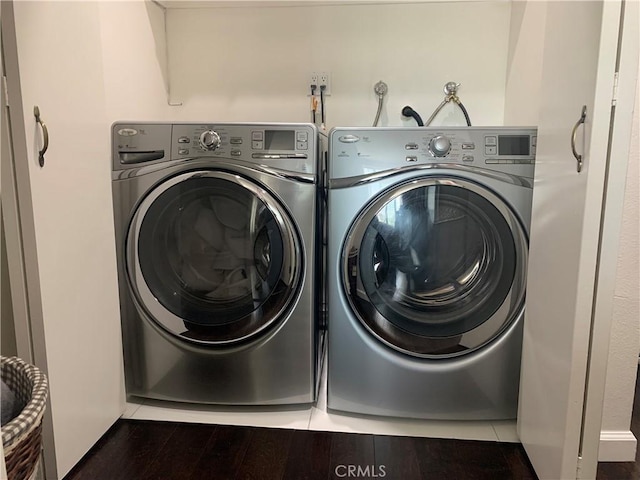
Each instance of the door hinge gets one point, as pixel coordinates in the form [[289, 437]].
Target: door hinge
[[579, 468], [614, 97], [5, 89]]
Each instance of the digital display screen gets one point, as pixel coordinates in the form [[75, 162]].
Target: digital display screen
[[279, 140], [513, 145]]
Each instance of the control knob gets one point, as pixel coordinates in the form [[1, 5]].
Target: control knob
[[209, 140], [439, 146]]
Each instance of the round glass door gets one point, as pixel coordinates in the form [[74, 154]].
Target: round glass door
[[436, 267], [213, 257]]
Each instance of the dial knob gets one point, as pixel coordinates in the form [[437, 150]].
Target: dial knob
[[209, 140], [440, 146]]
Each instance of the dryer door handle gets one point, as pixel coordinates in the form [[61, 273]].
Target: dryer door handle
[[355, 181]]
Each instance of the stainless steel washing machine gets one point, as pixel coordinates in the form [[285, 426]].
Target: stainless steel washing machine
[[428, 243], [216, 233]]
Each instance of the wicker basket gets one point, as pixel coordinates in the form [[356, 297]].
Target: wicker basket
[[22, 436]]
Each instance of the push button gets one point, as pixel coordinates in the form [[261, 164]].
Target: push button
[[184, 140], [490, 150]]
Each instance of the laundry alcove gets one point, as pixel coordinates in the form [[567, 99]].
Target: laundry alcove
[[89, 64]]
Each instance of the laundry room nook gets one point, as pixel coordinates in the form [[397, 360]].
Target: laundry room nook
[[127, 91], [268, 75], [255, 61]]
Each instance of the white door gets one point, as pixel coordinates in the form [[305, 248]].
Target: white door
[[578, 69], [77, 337]]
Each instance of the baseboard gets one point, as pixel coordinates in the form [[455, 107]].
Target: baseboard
[[617, 446]]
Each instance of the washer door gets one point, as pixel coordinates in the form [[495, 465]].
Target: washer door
[[213, 258], [436, 267]]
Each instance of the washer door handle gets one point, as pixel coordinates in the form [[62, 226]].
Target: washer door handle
[[574, 133]]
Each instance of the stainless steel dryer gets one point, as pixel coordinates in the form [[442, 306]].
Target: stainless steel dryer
[[428, 243], [216, 230]]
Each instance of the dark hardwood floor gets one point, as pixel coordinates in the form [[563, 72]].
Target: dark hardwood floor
[[141, 450]]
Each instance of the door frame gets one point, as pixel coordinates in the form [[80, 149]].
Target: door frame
[[622, 110]]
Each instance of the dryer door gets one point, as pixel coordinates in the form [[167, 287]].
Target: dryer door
[[435, 267], [213, 258]]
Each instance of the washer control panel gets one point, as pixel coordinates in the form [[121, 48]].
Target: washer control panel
[[290, 146], [510, 149]]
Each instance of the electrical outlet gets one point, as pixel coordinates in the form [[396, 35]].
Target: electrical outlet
[[319, 79], [324, 79]]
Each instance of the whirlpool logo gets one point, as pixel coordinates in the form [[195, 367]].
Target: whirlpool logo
[[360, 471]]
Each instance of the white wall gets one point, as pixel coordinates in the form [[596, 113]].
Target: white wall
[[253, 64], [524, 62], [134, 61]]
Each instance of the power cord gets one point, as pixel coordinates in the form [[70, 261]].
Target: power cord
[[322, 113], [410, 112], [314, 103]]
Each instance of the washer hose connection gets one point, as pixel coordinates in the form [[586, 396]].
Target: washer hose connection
[[451, 91], [380, 90]]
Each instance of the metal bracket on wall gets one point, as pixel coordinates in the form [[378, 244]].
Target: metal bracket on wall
[[161, 35]]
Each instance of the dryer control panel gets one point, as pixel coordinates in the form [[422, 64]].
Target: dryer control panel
[[364, 150], [250, 142]]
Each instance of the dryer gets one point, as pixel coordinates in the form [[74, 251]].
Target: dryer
[[216, 234], [427, 248]]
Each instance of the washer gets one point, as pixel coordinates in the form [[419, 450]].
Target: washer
[[428, 244], [216, 229]]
